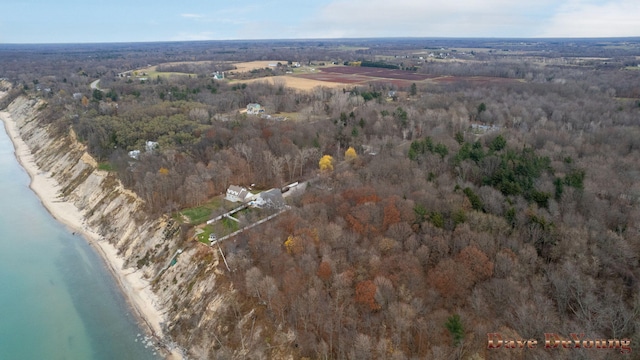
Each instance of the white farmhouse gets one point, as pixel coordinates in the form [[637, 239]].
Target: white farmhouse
[[238, 194]]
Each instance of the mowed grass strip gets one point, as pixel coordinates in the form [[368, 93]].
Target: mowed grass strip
[[199, 214]]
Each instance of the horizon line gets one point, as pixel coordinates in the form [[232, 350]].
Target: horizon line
[[547, 38]]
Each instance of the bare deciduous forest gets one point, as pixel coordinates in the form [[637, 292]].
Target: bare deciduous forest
[[499, 195]]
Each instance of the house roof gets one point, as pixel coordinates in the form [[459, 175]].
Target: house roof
[[272, 198], [239, 192]]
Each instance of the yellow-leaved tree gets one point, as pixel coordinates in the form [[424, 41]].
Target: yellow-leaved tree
[[293, 245], [326, 163], [350, 154]]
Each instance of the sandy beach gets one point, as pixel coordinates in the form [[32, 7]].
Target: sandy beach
[[136, 289]]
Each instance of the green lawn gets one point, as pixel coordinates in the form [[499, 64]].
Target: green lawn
[[198, 215], [152, 75], [220, 228], [204, 237], [230, 225], [106, 166]]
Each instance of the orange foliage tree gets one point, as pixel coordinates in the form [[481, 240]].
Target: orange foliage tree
[[366, 295], [477, 262], [451, 280], [364, 219], [293, 244], [324, 271], [391, 215], [360, 195]]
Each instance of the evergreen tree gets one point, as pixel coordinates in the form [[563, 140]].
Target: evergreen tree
[[454, 325]]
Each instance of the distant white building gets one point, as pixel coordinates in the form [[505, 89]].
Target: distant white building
[[150, 146], [482, 129], [134, 154], [254, 109]]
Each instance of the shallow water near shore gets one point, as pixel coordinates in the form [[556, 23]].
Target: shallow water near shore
[[57, 298]]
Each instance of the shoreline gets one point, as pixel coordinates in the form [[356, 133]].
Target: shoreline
[[136, 290]]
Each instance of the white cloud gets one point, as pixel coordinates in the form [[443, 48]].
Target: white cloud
[[424, 18], [580, 18], [369, 18]]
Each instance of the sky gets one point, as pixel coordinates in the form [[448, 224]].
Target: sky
[[95, 21]]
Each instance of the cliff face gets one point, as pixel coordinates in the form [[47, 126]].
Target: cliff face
[[112, 211], [186, 293]]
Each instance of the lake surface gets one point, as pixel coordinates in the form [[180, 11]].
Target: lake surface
[[57, 298]]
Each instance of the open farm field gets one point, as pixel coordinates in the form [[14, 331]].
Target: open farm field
[[353, 75], [377, 73], [252, 65], [334, 78], [152, 72], [302, 82]]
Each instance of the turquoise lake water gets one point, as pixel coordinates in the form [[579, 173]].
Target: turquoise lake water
[[57, 298]]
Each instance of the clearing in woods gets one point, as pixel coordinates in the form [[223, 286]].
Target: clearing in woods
[[292, 81], [252, 65]]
